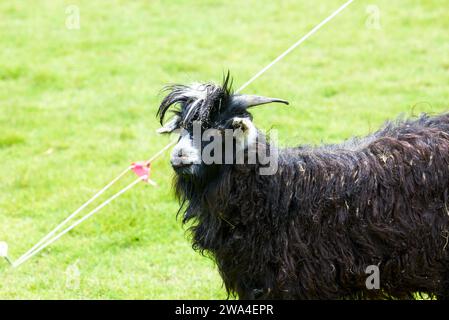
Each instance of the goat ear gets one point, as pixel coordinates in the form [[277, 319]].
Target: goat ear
[[170, 126], [248, 101]]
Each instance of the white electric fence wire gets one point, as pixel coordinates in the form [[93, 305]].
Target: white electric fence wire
[[63, 223], [87, 216], [293, 47], [44, 241]]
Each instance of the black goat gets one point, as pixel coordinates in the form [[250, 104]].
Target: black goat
[[311, 229]]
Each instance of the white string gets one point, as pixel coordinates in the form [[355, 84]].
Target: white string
[[160, 152], [47, 240], [286, 52], [73, 214], [87, 216], [44, 242]]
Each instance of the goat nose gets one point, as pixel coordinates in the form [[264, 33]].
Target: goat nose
[[179, 153]]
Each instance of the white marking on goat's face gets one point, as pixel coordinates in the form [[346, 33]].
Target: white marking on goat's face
[[245, 132], [185, 152]]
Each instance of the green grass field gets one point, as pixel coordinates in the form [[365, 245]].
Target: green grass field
[[77, 106]]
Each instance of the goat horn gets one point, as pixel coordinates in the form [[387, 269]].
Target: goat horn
[[248, 101], [170, 126]]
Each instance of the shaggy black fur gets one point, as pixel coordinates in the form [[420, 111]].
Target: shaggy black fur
[[311, 230]]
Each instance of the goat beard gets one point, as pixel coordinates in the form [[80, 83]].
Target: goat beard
[[194, 192], [210, 187]]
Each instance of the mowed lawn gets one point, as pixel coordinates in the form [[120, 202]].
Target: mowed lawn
[[77, 106]]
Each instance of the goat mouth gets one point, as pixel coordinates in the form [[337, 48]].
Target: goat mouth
[[183, 168]]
